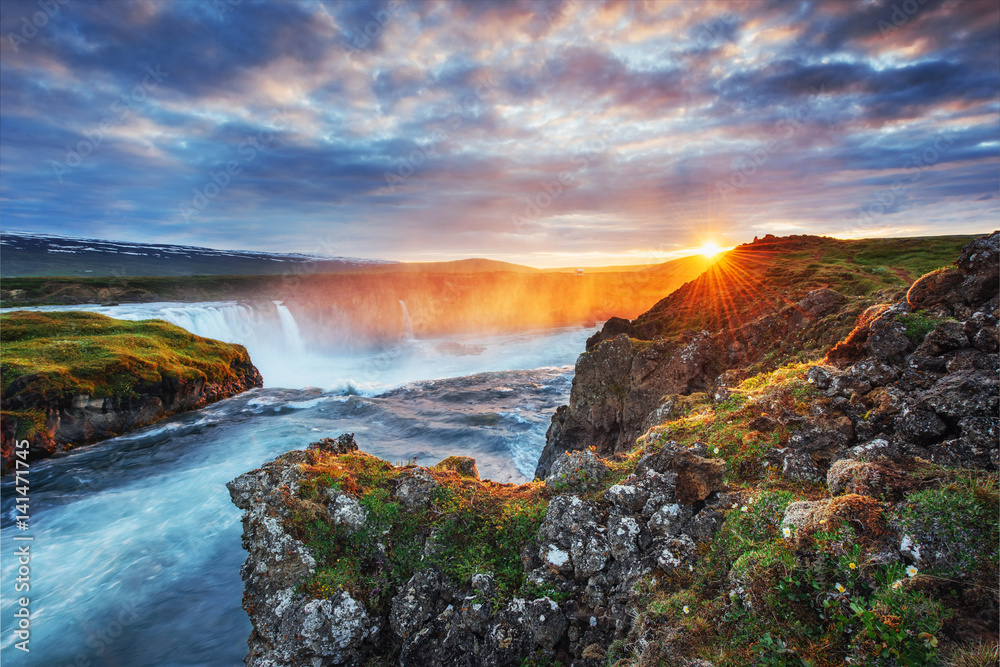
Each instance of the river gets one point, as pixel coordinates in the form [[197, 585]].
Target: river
[[136, 547]]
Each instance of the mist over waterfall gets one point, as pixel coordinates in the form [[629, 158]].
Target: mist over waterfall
[[407, 322], [295, 345], [291, 329]]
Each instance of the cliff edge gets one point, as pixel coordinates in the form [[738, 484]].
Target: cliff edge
[[73, 378]]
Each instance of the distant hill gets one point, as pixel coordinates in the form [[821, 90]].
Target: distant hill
[[37, 255], [472, 265]]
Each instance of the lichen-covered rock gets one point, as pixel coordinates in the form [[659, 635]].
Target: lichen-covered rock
[[576, 471], [346, 511], [416, 602], [414, 488], [289, 629], [851, 476]]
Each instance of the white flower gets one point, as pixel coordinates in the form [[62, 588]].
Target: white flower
[[716, 450], [896, 584], [911, 571], [750, 500], [744, 509], [687, 610], [840, 589], [787, 531]]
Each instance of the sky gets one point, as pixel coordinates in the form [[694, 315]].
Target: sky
[[544, 133]]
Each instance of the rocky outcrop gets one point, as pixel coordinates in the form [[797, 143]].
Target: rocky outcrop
[[54, 410], [622, 385], [579, 570], [78, 419], [919, 378]]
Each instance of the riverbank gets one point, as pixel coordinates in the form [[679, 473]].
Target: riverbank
[[74, 378]]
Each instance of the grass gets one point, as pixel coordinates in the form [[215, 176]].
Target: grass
[[745, 426], [757, 595], [756, 279], [53, 355], [470, 526]]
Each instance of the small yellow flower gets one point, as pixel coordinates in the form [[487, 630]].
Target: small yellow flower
[[911, 571], [852, 566], [840, 589], [687, 610]]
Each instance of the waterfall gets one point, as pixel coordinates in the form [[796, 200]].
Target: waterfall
[[290, 328], [407, 323], [228, 323]]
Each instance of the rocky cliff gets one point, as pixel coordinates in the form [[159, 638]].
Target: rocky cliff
[[71, 379], [764, 303], [835, 511]]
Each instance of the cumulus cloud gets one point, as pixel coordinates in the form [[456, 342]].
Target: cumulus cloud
[[513, 129]]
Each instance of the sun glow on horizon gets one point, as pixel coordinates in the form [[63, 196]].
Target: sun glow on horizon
[[709, 249]]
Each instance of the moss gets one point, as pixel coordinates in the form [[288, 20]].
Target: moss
[[957, 524], [470, 527], [918, 325], [29, 422], [56, 354]]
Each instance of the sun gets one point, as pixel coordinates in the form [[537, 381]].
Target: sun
[[709, 249]]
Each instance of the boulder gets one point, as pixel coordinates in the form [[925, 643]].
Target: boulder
[[576, 471], [414, 488]]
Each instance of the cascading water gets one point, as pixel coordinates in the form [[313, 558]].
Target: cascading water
[[407, 322], [136, 551], [291, 329]]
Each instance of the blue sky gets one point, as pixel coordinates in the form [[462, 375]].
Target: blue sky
[[546, 133]]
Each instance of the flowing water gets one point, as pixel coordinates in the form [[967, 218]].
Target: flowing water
[[136, 546]]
